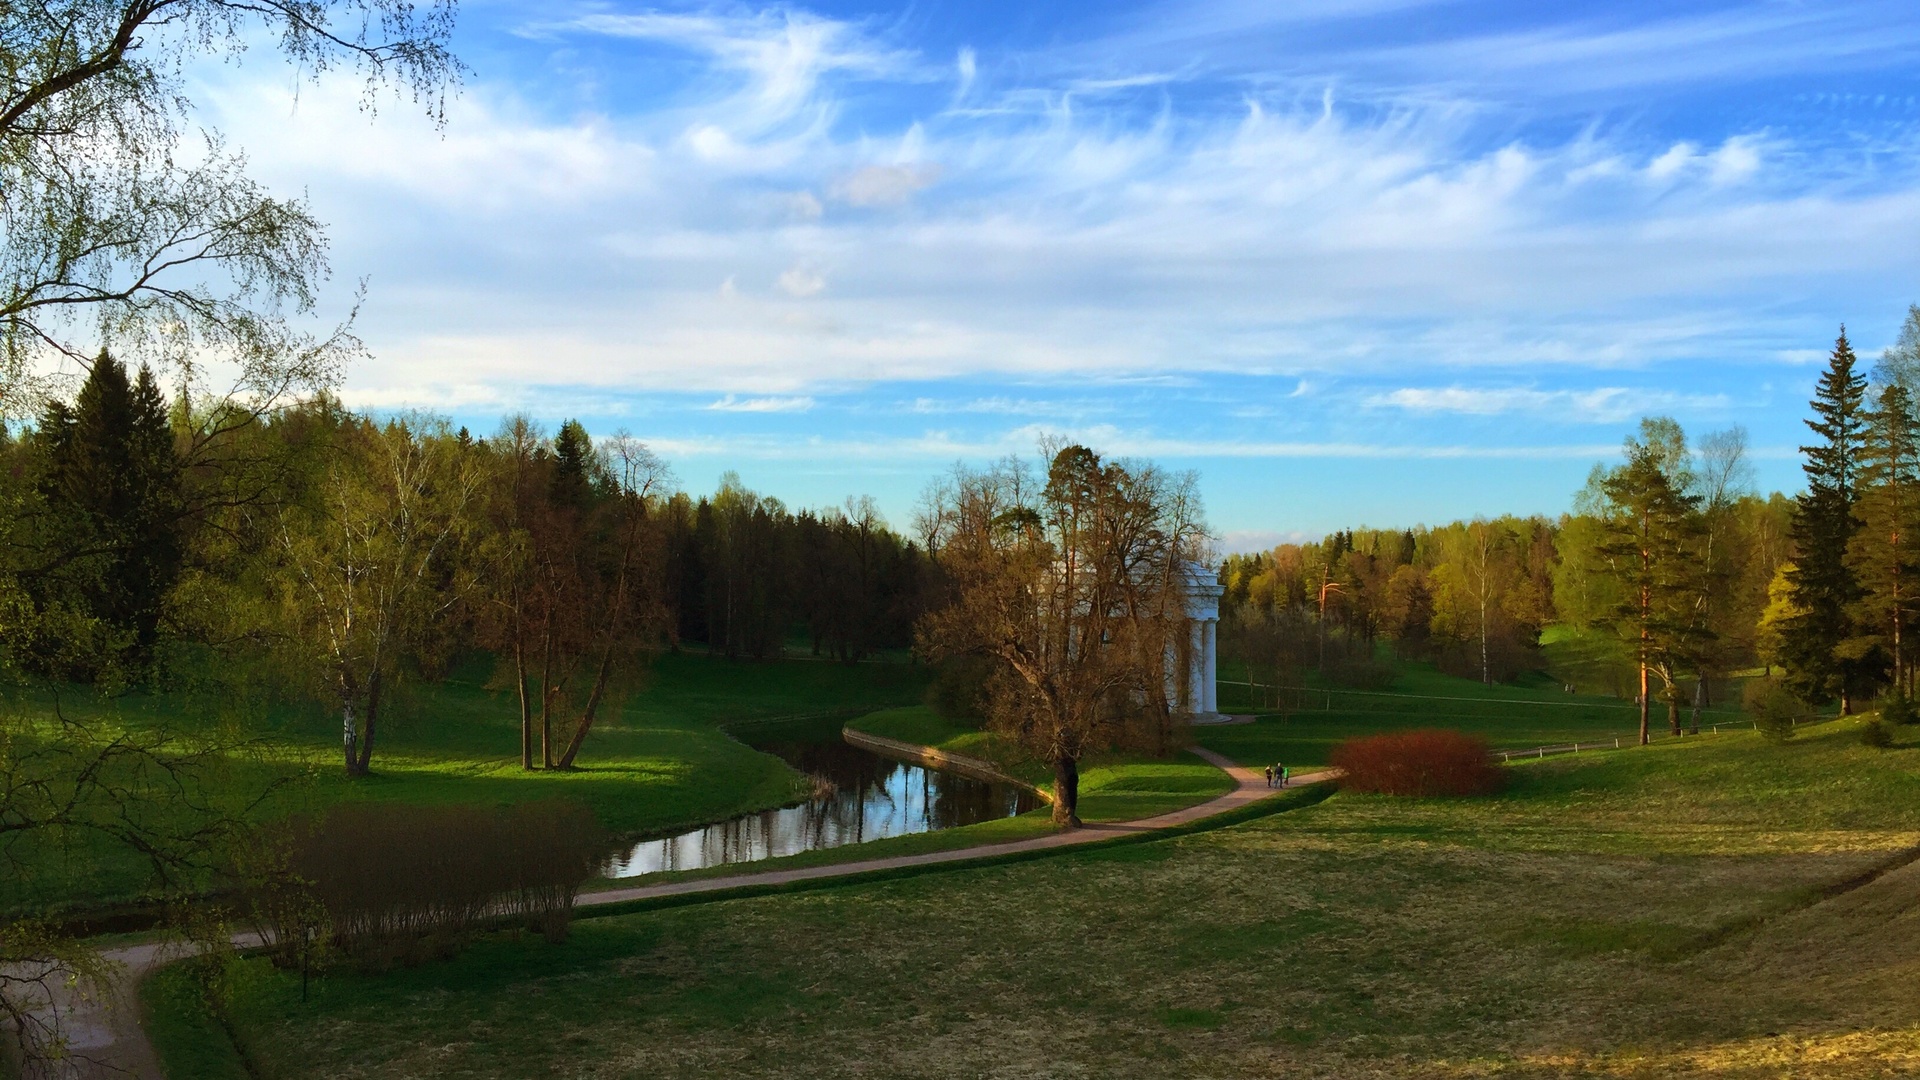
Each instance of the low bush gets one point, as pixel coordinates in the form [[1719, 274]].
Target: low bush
[[1421, 763], [1897, 709], [1360, 673], [386, 883], [958, 691], [1876, 733], [1774, 708]]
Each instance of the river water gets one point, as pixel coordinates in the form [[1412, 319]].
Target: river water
[[865, 797]]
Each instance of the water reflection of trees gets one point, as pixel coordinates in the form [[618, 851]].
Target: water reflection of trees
[[870, 798]]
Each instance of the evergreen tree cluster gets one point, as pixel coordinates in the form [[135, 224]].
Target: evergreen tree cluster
[[1848, 617], [97, 533]]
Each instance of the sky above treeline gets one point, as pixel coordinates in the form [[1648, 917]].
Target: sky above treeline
[[1354, 261]]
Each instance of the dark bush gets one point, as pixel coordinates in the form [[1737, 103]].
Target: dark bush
[[1422, 763], [384, 883], [959, 688], [1774, 708], [1896, 709], [1360, 673], [1876, 734]]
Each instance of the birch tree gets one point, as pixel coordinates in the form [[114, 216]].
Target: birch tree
[[371, 563]]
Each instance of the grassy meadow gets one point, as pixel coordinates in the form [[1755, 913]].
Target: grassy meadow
[[1533, 711], [664, 761], [1703, 907]]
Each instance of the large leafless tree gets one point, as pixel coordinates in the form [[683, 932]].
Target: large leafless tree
[[1073, 584]]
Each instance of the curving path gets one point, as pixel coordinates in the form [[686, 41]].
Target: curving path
[[106, 1040], [1252, 787]]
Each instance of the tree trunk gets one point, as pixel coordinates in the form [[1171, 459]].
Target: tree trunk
[[1699, 699], [593, 707], [364, 764], [1066, 792], [546, 707], [1486, 669], [1673, 710], [349, 735], [526, 705], [1646, 702]]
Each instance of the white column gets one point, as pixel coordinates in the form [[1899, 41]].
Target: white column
[[1212, 683], [1197, 669]]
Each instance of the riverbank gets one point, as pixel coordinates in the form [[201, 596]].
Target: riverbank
[[1113, 789]]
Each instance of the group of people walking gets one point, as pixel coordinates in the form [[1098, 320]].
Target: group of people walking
[[1278, 774]]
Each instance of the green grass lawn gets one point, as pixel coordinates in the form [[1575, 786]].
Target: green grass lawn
[[663, 762], [1675, 910], [1535, 711]]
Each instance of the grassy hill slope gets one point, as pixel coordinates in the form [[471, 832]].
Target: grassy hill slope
[[1707, 907]]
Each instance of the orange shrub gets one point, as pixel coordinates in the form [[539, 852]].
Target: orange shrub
[[1423, 763]]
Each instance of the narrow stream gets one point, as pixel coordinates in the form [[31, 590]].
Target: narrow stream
[[868, 797]]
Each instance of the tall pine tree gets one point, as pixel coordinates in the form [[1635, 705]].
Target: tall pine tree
[[1885, 552], [1826, 590], [110, 496], [1651, 541]]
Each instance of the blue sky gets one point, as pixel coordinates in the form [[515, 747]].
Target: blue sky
[[1370, 262]]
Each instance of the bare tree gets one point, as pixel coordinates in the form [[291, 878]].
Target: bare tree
[[629, 612], [1075, 589]]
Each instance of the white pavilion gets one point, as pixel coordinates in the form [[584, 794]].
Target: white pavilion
[[1199, 697]]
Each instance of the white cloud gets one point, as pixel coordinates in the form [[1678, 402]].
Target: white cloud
[[1252, 541], [800, 282], [1607, 404], [966, 66], [1068, 238], [731, 403], [884, 185]]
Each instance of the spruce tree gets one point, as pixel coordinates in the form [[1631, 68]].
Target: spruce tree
[[573, 467], [1885, 553], [110, 494], [1814, 645]]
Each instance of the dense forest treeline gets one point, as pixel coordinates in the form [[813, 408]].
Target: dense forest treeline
[[1670, 574], [344, 554]]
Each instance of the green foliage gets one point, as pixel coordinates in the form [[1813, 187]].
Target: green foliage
[[100, 541], [1875, 733], [1774, 707], [959, 688], [179, 1016], [1825, 586], [1361, 672], [170, 252], [1897, 709], [1472, 597], [1651, 540], [1883, 554]]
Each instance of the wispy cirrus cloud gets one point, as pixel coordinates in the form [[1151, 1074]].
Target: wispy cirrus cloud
[[733, 403], [1600, 405], [1267, 214]]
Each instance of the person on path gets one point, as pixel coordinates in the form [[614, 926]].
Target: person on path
[[1269, 776], [1285, 774], [1279, 773]]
